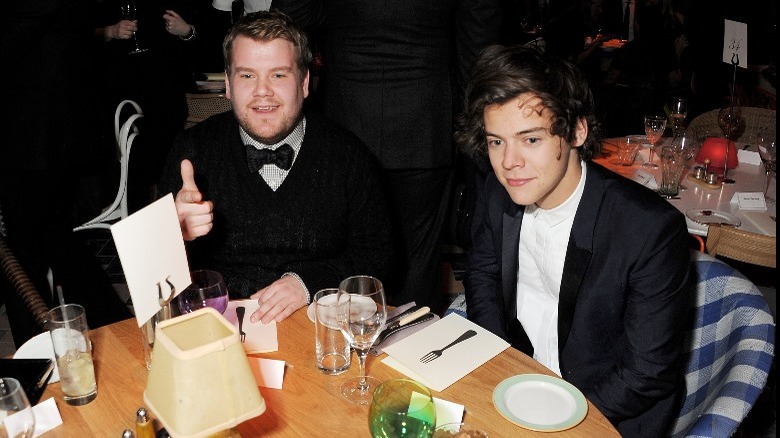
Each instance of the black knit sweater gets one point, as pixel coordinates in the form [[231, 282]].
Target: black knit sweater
[[327, 221]]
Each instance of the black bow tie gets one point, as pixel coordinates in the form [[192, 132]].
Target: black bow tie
[[282, 157]]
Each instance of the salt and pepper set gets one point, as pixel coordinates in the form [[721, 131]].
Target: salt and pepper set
[[144, 427]]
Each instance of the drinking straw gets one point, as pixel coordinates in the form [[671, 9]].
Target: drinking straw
[[68, 334]]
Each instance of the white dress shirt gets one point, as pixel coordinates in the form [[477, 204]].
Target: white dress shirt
[[273, 175], [544, 237]]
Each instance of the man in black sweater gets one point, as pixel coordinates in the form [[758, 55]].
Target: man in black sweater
[[281, 203]]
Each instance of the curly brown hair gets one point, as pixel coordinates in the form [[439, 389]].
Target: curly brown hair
[[504, 73], [267, 26]]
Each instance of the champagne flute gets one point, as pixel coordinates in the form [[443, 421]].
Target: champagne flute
[[361, 316], [402, 408], [678, 113], [16, 415], [768, 154], [208, 289], [128, 13], [654, 129]]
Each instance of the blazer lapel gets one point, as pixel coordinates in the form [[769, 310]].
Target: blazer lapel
[[578, 252], [513, 217]]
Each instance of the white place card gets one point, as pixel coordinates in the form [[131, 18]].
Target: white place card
[[151, 248], [748, 157], [269, 373], [645, 178], [455, 362], [47, 416], [749, 201]]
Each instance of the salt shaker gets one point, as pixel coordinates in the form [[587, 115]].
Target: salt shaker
[[128, 434]]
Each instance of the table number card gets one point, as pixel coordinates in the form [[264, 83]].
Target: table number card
[[735, 43], [151, 249]]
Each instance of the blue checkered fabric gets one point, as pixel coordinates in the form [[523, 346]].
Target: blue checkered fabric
[[458, 306], [729, 351]]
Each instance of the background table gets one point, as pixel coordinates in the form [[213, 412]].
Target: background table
[[309, 404], [748, 177]]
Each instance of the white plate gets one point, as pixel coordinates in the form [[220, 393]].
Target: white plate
[[39, 347], [540, 403], [366, 305], [706, 217]]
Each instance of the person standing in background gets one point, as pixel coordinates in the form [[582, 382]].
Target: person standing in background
[[157, 79], [394, 74], [49, 120]]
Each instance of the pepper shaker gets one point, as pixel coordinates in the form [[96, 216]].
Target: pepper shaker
[[143, 425]]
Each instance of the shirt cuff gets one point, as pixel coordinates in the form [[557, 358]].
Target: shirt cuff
[[303, 285]]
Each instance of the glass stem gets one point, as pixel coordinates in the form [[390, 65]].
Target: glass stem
[[768, 180], [362, 384]]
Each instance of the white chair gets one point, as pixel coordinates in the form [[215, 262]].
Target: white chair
[[124, 134]]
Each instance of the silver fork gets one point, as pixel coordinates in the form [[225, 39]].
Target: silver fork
[[435, 354], [240, 310]]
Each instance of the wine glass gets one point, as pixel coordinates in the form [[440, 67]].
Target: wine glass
[[731, 122], [16, 415], [768, 154], [677, 113], [208, 289], [654, 129], [128, 13], [361, 315], [401, 408], [688, 142]]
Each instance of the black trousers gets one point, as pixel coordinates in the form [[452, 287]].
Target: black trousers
[[37, 208], [419, 202]]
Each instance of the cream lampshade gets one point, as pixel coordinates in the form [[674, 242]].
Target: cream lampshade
[[200, 381]]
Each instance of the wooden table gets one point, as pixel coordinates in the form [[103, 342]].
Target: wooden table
[[308, 406]]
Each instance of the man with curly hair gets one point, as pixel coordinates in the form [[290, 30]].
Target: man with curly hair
[[583, 269]]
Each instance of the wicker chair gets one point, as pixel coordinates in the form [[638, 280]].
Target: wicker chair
[[756, 119], [202, 106], [22, 285], [744, 246]]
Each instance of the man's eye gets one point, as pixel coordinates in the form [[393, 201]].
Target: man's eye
[[494, 143], [533, 140]]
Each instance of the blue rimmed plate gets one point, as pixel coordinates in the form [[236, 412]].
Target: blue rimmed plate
[[540, 403]]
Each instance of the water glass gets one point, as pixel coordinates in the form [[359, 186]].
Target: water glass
[[627, 149], [402, 408], [333, 351], [16, 415], [672, 164], [73, 351]]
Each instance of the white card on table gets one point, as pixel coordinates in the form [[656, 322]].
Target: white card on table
[[735, 43], [151, 249], [751, 201], [260, 338]]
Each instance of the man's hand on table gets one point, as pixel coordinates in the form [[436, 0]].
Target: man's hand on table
[[279, 300]]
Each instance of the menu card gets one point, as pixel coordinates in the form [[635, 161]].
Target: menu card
[[151, 248], [454, 362]]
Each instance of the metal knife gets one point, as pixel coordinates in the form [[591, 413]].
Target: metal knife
[[421, 315]]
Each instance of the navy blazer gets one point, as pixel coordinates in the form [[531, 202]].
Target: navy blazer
[[623, 298]]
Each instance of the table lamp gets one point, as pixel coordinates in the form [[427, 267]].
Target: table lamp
[[714, 149], [200, 382]]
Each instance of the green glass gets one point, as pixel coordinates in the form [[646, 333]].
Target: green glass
[[402, 408]]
